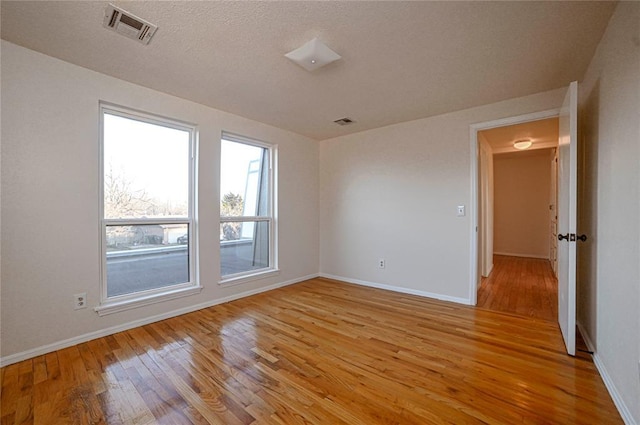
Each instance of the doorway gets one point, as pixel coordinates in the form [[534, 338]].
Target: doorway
[[516, 207]]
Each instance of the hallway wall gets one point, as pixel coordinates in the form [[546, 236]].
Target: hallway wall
[[521, 207]]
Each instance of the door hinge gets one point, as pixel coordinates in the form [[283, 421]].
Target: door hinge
[[572, 237]]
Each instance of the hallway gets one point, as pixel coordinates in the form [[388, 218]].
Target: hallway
[[522, 286]]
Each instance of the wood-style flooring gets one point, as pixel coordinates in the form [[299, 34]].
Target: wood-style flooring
[[318, 352], [523, 286]]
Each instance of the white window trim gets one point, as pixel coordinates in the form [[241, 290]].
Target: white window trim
[[272, 270], [110, 305]]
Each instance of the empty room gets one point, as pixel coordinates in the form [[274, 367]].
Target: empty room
[[341, 152]]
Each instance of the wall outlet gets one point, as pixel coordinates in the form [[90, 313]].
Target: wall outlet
[[381, 263], [460, 211], [80, 301]]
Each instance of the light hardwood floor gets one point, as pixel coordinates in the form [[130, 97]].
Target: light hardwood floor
[[523, 286], [318, 352]]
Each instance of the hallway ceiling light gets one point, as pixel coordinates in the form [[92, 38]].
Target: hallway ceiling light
[[522, 144], [313, 55]]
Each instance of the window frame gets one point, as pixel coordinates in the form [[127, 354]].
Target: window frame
[[114, 304], [271, 217]]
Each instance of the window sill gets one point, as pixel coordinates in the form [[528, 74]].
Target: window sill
[[110, 307], [238, 280]]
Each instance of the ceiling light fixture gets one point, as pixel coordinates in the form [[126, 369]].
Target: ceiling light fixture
[[522, 144], [313, 55]]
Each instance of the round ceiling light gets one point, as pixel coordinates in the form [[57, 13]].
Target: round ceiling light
[[522, 144]]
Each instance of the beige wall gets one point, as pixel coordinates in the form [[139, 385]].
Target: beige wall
[[392, 193], [50, 223], [609, 196], [521, 203]]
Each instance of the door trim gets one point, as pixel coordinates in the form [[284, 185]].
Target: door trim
[[475, 201]]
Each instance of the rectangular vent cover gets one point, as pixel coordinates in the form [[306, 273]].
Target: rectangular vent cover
[[344, 121], [127, 24]]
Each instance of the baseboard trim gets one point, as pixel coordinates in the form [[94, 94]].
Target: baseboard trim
[[400, 289], [513, 254], [489, 271], [44, 349], [604, 374]]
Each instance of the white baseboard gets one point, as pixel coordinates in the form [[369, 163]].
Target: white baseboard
[[488, 271], [44, 349], [400, 289], [611, 387], [513, 254]]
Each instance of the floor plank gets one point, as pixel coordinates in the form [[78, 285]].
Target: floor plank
[[319, 352]]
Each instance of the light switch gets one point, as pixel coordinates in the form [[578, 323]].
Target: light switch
[[460, 210]]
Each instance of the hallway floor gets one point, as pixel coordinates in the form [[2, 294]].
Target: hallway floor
[[522, 286]]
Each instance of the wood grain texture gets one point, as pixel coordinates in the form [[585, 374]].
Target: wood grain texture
[[523, 286], [318, 352]]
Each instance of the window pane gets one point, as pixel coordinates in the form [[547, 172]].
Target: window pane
[[243, 180], [146, 169], [244, 246], [146, 257]]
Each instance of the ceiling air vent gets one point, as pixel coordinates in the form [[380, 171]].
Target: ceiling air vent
[[127, 24], [344, 121]]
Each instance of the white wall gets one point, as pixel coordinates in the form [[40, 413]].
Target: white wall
[[609, 262], [50, 222], [392, 193], [521, 203]]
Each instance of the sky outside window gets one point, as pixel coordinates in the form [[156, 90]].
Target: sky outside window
[[150, 161], [236, 158]]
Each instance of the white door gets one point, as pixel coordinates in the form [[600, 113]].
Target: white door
[[567, 216]]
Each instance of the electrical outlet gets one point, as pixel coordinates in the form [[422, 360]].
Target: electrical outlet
[[381, 263], [80, 301], [461, 211]]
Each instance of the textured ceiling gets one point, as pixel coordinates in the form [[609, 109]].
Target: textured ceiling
[[543, 134], [400, 60]]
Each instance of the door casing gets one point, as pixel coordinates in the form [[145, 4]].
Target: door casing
[[474, 268]]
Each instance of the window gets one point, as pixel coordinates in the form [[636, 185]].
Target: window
[[247, 227], [147, 209]]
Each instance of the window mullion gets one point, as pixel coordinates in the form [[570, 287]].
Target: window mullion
[[137, 221], [243, 219]]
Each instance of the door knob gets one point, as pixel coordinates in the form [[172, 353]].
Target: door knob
[[561, 237], [582, 238]]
